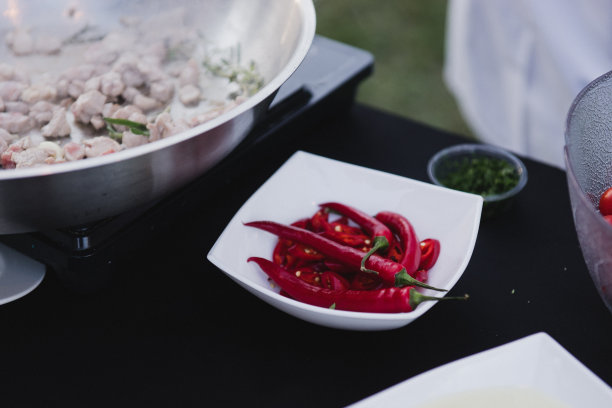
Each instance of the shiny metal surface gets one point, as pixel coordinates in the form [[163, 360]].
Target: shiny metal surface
[[275, 33]]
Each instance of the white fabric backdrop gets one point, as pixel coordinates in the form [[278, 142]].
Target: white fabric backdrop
[[515, 66]]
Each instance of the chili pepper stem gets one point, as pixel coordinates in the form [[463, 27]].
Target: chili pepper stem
[[416, 298], [402, 278], [380, 243]]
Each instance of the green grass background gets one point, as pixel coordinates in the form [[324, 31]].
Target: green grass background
[[406, 38]]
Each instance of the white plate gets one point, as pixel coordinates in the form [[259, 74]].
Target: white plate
[[305, 181], [19, 275], [535, 365]]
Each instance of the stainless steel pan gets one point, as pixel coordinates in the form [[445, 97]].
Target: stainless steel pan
[[275, 33]]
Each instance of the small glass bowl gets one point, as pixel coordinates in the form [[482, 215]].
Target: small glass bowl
[[445, 161]]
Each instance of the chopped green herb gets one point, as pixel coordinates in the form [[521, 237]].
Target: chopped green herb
[[333, 306], [480, 175]]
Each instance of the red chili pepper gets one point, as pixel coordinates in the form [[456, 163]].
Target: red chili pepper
[[304, 252], [308, 275], [338, 267], [381, 234], [347, 234], [280, 254], [342, 228], [395, 251], [319, 222], [366, 281], [303, 223], [393, 273], [338, 230], [421, 275], [370, 224], [386, 300], [340, 220], [280, 251], [411, 253], [332, 280], [430, 250]]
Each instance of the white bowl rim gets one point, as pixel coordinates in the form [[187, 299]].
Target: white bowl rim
[[406, 317]]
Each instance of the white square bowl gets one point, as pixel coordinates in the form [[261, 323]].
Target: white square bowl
[[534, 366], [295, 191]]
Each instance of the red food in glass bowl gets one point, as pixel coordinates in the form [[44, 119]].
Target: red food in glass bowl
[[605, 202]]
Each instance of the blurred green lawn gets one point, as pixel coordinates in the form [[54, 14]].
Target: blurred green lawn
[[406, 38]]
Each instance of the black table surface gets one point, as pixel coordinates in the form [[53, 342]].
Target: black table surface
[[173, 330]]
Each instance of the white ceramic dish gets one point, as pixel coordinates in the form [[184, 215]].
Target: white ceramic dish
[[19, 275], [534, 363], [305, 181]]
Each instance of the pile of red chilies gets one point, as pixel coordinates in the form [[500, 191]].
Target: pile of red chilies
[[370, 265]]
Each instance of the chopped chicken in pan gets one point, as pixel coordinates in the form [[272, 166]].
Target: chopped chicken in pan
[[117, 93]]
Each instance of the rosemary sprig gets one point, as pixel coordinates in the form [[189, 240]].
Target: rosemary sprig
[[180, 51], [113, 134], [84, 35], [248, 78], [134, 127]]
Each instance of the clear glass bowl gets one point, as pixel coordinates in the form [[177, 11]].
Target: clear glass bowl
[[445, 161], [588, 160]]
